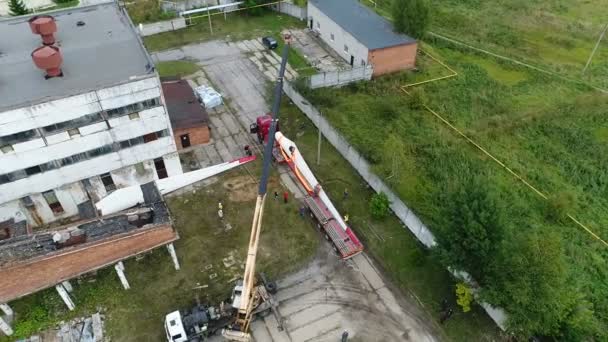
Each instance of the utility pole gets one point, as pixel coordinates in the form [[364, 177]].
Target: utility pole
[[209, 17], [595, 48], [319, 141]]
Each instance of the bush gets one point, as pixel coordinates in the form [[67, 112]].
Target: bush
[[379, 206], [410, 17], [147, 11], [416, 99], [558, 206], [386, 111], [464, 297]]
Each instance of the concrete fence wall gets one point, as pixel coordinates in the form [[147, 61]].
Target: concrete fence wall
[[291, 9], [184, 5], [340, 77], [162, 26], [405, 214]]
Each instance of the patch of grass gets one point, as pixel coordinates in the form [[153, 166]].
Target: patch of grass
[[295, 59], [60, 5], [405, 261], [176, 68], [287, 242], [236, 26], [148, 11]]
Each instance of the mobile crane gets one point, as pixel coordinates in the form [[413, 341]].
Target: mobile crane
[[246, 295]]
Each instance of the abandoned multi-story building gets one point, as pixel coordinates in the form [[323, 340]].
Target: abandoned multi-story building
[[81, 114]]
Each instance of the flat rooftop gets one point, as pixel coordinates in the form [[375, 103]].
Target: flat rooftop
[[105, 51], [369, 28], [184, 109]]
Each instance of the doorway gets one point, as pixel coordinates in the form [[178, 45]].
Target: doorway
[[311, 26], [352, 60], [185, 139], [159, 165]]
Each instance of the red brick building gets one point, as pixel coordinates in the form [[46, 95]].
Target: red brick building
[[189, 120]]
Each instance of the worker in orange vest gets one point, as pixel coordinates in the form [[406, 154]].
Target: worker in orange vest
[[285, 196]]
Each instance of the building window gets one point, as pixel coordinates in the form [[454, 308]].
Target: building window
[[6, 149], [150, 137], [53, 202], [345, 48], [132, 108], [318, 25], [331, 36], [27, 201], [4, 179], [108, 182], [134, 116], [16, 138], [73, 124], [33, 170], [161, 170], [363, 62], [73, 132]]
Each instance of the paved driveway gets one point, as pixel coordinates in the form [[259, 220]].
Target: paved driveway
[[329, 295]]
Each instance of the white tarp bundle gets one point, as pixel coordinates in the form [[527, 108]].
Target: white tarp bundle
[[208, 96]]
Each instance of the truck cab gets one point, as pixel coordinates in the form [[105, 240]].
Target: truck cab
[[261, 127], [174, 327]]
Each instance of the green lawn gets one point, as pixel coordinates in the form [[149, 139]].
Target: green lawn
[[156, 288], [555, 34], [549, 131], [235, 27], [176, 68], [406, 262]]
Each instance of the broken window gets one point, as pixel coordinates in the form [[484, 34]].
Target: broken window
[[73, 132], [332, 37], [6, 149], [108, 182], [27, 201], [159, 165], [150, 137], [53, 202], [345, 48]]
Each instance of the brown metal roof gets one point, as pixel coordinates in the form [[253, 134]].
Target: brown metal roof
[[184, 109], [40, 273]]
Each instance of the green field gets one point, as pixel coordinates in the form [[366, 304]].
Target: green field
[[554, 34], [549, 131], [157, 289], [235, 27]]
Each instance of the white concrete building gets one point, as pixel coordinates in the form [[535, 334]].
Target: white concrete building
[[65, 142]]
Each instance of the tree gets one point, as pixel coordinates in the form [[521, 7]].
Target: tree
[[379, 205], [473, 228], [410, 17], [532, 283], [16, 7], [254, 7]]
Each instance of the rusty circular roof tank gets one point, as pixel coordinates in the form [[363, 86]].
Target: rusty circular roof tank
[[48, 58], [45, 26]]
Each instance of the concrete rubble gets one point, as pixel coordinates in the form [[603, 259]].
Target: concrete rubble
[[82, 329]]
